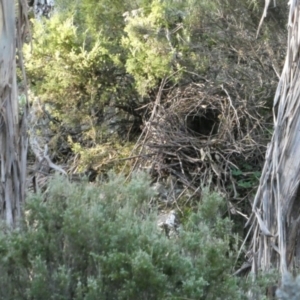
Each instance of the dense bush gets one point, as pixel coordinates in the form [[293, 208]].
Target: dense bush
[[102, 242], [68, 73], [97, 66]]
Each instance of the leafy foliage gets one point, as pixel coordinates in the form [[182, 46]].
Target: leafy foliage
[[64, 72], [161, 41], [76, 78], [99, 60], [102, 242]]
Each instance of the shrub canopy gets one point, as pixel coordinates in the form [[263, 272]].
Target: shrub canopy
[[88, 242]]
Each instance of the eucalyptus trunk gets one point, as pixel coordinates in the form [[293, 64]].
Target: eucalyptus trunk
[[13, 136], [275, 221]]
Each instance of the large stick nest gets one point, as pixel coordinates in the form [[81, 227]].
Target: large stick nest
[[199, 133]]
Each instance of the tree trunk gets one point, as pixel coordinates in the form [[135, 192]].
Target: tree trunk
[[275, 221], [13, 136]]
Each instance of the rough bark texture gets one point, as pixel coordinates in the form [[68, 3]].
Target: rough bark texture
[[13, 137], [275, 222]]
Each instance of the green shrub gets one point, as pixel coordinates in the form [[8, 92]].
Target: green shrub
[[102, 242], [66, 72], [159, 41]]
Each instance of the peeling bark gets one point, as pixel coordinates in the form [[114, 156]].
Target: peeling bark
[[276, 207], [13, 136]]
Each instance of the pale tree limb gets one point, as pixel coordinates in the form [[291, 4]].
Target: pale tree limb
[[275, 230], [13, 133]]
